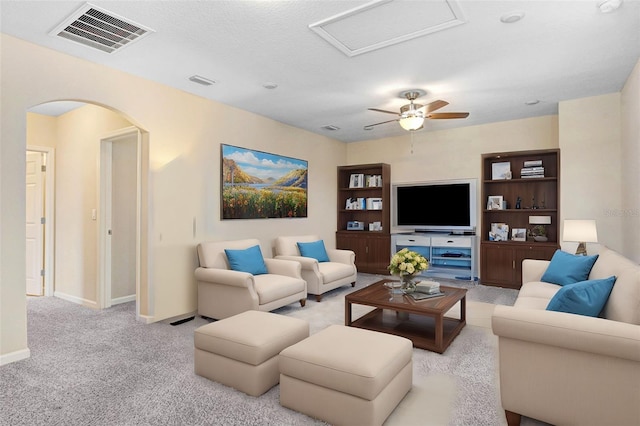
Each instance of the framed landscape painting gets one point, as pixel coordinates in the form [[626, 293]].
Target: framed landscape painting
[[260, 185]]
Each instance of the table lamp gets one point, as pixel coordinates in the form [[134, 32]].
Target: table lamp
[[580, 231]]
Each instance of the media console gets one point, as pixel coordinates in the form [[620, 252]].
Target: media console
[[449, 256]]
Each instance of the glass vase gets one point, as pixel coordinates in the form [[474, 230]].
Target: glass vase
[[408, 283]]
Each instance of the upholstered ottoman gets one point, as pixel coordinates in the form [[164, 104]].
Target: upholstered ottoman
[[241, 351], [346, 376]]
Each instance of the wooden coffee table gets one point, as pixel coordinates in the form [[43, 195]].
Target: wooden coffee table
[[421, 321]]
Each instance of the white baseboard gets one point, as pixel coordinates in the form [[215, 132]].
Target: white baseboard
[[15, 356], [124, 299], [76, 300]]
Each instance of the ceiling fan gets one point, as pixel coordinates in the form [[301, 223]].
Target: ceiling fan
[[412, 116]]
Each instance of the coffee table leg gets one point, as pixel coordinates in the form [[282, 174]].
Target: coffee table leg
[[463, 309], [439, 330], [347, 313]]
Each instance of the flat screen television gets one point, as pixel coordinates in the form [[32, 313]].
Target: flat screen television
[[438, 206]]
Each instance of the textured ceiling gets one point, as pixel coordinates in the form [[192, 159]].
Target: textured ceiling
[[560, 50]]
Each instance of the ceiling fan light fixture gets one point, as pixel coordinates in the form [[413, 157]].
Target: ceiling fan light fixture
[[411, 122]]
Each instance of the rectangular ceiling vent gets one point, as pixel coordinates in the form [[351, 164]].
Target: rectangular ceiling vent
[[382, 23], [100, 29]]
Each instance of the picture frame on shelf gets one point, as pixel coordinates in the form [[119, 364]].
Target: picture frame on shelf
[[495, 202], [499, 232], [501, 170], [519, 234]]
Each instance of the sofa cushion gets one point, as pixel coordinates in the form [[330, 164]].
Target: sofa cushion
[[566, 268], [314, 249], [583, 298], [624, 301], [247, 260], [536, 295], [271, 287]]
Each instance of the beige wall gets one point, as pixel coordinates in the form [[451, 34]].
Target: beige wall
[[456, 153], [591, 179], [630, 213], [184, 134]]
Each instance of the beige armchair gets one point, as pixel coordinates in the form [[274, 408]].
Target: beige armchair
[[223, 292], [320, 276]]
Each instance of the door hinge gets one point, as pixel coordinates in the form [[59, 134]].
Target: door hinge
[[42, 272], [109, 232], [43, 168], [43, 220]]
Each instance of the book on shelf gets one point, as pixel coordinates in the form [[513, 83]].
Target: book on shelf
[[533, 163], [373, 181], [356, 180]]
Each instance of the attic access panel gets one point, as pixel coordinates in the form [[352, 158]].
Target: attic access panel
[[382, 23], [100, 29]]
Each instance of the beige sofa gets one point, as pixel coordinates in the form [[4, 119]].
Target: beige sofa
[[223, 292], [568, 369]]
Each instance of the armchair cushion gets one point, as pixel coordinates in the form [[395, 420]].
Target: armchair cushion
[[566, 268], [313, 249], [247, 260], [583, 298]]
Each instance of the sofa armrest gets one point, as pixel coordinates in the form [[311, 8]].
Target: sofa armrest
[[289, 268], [533, 269], [576, 332], [225, 276], [307, 263], [347, 257]]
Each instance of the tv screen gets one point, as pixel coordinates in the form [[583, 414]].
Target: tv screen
[[436, 206]]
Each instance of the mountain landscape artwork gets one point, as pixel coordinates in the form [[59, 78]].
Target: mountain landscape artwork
[[260, 185]]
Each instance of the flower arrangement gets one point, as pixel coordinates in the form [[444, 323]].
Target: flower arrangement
[[407, 262]]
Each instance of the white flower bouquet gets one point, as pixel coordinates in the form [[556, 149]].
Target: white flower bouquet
[[407, 262]]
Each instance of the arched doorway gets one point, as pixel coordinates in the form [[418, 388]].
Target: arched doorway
[[88, 140]]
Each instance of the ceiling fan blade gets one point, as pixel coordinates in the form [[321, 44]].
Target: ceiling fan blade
[[432, 106], [447, 115], [368, 127], [382, 110]]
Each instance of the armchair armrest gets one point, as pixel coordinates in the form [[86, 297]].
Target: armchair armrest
[[225, 276], [342, 256], [576, 332], [285, 267], [305, 262], [533, 269]]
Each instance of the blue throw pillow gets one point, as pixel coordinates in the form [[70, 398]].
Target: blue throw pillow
[[583, 298], [566, 268], [314, 249], [247, 260]]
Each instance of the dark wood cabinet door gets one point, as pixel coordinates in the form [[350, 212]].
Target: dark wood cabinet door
[[498, 265], [531, 251], [378, 253]]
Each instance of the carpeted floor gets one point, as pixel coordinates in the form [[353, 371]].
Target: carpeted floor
[[106, 368]]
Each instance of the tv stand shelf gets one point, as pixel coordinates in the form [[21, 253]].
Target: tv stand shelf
[[449, 256]]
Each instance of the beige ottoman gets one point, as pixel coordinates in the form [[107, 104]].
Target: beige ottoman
[[241, 351], [346, 376]]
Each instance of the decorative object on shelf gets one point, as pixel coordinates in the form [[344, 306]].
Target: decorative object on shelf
[[501, 171], [539, 231], [580, 231], [495, 202], [406, 264], [518, 203], [499, 232], [519, 234]]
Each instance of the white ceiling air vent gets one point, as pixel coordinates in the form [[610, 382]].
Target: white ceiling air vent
[[100, 29]]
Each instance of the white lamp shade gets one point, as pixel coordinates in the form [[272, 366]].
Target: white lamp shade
[[583, 231], [540, 220], [411, 122]]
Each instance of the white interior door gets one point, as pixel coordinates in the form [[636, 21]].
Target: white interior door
[[34, 224]]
